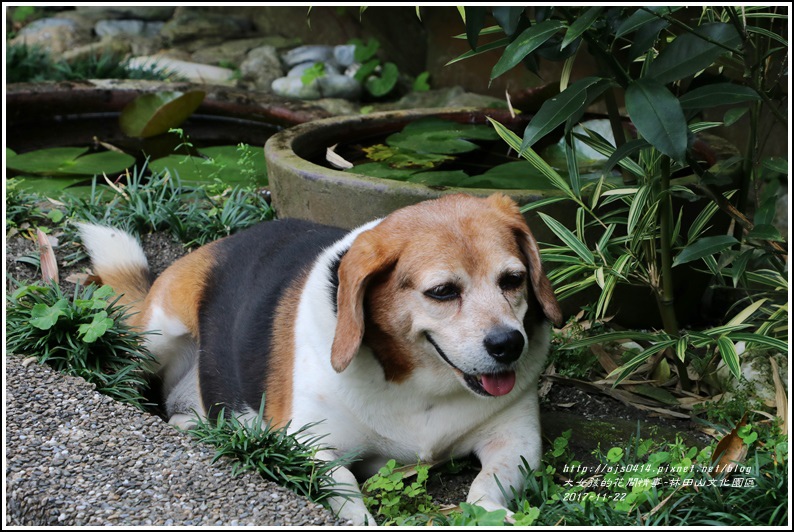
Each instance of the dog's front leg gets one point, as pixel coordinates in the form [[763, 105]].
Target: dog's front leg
[[501, 459], [352, 508]]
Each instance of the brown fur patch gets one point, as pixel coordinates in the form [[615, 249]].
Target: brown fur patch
[[179, 290], [278, 383]]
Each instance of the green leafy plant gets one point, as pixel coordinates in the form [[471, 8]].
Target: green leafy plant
[[154, 113], [633, 233], [393, 495], [278, 454], [380, 79], [85, 336]]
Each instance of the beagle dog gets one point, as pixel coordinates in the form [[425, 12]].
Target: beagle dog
[[418, 336]]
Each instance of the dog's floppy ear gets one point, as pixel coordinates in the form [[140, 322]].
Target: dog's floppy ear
[[541, 286], [365, 258]]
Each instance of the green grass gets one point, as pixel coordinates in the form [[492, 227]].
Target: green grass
[[34, 64], [278, 454]]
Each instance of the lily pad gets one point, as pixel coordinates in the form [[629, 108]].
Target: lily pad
[[155, 113], [399, 157], [47, 186], [441, 136], [441, 178], [229, 164], [69, 161], [383, 171], [512, 175]]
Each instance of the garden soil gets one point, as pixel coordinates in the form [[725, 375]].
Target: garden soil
[[75, 457]]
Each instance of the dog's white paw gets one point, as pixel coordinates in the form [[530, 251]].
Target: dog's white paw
[[183, 421]]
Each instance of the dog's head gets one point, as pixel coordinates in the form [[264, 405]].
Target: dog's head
[[455, 283]]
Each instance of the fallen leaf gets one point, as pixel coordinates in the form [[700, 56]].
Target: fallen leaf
[[77, 278], [49, 266], [730, 450], [781, 398], [604, 358], [336, 160]]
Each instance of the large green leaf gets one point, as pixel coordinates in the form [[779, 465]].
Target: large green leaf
[[717, 94], [658, 117], [507, 17], [69, 161], [641, 17], [689, 53], [529, 40], [47, 186], [580, 25], [704, 247], [557, 110], [155, 113], [475, 20]]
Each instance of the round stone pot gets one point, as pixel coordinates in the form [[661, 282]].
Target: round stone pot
[[303, 188]]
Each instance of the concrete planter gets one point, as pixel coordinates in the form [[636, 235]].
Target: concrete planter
[[303, 188]]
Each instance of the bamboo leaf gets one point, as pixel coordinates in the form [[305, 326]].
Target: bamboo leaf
[[729, 355], [748, 311], [704, 247], [526, 43], [481, 50], [629, 368], [658, 116], [761, 339], [530, 155], [638, 208], [557, 110], [541, 203], [580, 25], [568, 238], [680, 349]]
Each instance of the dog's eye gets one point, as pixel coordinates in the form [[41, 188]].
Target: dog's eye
[[511, 281], [444, 292]]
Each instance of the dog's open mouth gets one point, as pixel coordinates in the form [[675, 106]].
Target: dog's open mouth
[[488, 384]]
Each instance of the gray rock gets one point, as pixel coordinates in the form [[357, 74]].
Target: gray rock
[[192, 25], [54, 34], [339, 86], [234, 51], [298, 70], [344, 54], [137, 12], [306, 54], [261, 67], [127, 27], [294, 88]]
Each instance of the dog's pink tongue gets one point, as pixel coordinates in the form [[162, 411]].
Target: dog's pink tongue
[[499, 383]]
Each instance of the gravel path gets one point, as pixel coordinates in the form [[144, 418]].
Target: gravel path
[[75, 457]]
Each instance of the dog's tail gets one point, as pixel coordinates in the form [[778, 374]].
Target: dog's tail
[[118, 260]]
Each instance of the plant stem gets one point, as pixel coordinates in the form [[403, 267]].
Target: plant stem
[[666, 297]]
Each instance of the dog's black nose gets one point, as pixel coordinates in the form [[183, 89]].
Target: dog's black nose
[[505, 345]]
